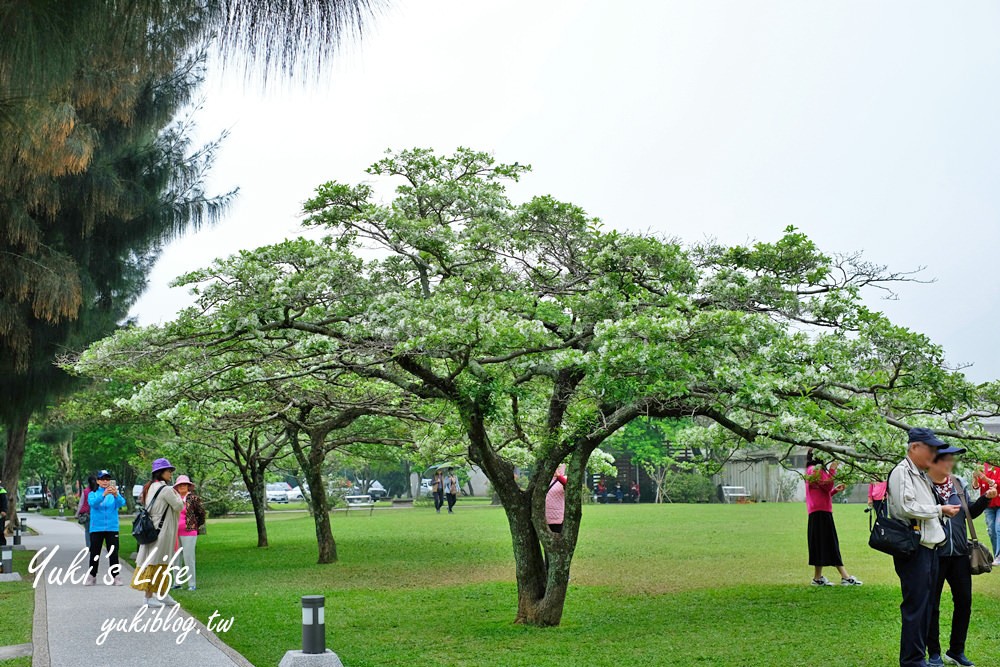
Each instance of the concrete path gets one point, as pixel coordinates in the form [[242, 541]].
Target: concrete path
[[69, 623]]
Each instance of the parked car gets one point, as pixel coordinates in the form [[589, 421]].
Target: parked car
[[425, 487], [34, 497], [376, 491], [296, 494], [137, 491], [277, 492]]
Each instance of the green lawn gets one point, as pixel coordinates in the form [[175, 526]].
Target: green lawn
[[17, 608], [651, 585]]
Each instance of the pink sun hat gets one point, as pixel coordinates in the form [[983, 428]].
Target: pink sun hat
[[184, 479]]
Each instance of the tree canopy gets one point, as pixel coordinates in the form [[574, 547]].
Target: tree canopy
[[527, 333]]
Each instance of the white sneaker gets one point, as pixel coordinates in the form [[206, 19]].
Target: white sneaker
[[118, 582], [850, 581], [153, 602], [91, 580], [822, 581], [996, 561]]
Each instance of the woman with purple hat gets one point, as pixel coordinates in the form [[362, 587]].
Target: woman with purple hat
[[164, 507], [191, 519]]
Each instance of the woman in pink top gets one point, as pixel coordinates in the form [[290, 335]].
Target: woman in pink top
[[876, 497], [824, 546], [555, 500], [555, 503], [192, 516]]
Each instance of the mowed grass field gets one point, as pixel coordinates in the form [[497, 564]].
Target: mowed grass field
[[706, 585]]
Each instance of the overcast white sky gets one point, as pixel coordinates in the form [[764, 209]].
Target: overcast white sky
[[870, 126]]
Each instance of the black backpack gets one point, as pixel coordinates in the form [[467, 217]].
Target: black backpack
[[143, 529]]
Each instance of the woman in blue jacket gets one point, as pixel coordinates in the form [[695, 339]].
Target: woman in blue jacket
[[104, 505], [953, 564]]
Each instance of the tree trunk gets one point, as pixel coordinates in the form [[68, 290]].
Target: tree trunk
[[409, 482], [258, 499], [17, 432], [64, 458], [659, 477], [127, 481], [541, 591], [311, 463]]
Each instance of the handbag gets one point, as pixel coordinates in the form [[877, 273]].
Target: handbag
[[82, 519], [143, 529], [980, 556], [202, 530], [894, 536]]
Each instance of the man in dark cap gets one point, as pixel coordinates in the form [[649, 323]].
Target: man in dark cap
[[911, 496]]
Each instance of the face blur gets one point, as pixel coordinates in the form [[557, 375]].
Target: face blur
[[104, 482], [943, 466], [922, 454], [168, 475], [182, 489]]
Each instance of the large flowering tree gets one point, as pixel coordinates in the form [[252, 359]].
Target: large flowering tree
[[530, 334]]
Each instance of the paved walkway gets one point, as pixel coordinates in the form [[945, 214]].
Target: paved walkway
[[69, 616]]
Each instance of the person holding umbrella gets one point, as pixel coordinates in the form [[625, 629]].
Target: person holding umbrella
[[451, 490], [437, 488]]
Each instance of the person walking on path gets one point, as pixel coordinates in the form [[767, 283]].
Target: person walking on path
[[451, 490], [437, 488], [821, 533], [876, 497], [988, 477], [911, 496], [192, 517], [164, 507], [104, 505], [83, 508], [953, 560]]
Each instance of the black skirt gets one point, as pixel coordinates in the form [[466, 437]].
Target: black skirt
[[824, 547]]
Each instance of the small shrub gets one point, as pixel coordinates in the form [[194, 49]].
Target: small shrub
[[687, 487]]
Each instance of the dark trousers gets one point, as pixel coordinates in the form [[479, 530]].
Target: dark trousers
[[957, 572], [97, 540], [879, 507], [438, 500], [917, 578], [451, 500]]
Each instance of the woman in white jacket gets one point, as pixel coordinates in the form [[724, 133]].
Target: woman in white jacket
[[164, 507]]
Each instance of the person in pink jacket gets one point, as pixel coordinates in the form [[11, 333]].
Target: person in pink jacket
[[555, 500], [876, 497], [555, 503], [824, 546]]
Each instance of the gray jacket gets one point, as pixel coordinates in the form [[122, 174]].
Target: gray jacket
[[910, 496]]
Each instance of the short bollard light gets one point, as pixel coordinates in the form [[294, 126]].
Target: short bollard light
[[21, 521], [7, 557], [313, 624]]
